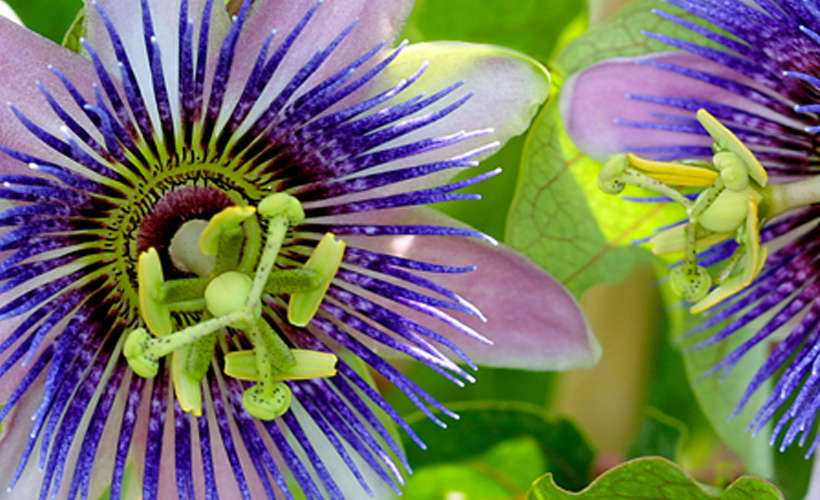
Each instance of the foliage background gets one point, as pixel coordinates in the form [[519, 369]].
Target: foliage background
[[523, 433]]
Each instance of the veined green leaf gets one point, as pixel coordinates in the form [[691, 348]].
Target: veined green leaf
[[561, 220], [644, 478]]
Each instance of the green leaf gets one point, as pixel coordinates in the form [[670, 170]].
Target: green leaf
[[71, 40], [527, 27], [482, 424], [659, 435], [504, 471], [562, 221], [646, 478], [50, 18]]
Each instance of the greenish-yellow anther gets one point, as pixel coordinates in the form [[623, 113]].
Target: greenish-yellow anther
[[186, 385], [325, 261], [309, 364], [155, 313]]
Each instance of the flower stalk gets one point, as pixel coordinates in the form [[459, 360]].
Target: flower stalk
[[793, 195]]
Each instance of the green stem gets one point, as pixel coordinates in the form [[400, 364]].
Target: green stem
[[785, 197], [277, 227], [162, 346], [635, 178]]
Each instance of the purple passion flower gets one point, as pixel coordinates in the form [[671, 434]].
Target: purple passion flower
[[211, 231], [756, 73]]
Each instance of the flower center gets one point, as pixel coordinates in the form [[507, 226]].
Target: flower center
[[159, 204], [174, 209], [229, 294]]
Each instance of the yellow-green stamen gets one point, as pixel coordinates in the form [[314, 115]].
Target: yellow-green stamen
[[735, 202], [325, 261], [231, 296]]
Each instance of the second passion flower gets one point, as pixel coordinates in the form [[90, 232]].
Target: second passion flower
[[754, 72]]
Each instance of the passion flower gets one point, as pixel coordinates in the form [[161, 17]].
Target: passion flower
[[210, 234]]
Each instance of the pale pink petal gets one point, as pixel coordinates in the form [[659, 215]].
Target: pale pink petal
[[533, 322], [376, 22], [24, 60], [126, 16], [9, 13], [11, 379], [13, 440], [595, 98], [15, 435], [504, 90]]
